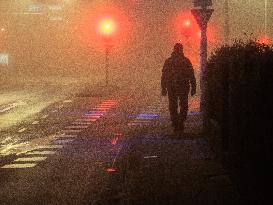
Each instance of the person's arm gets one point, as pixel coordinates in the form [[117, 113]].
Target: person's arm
[[164, 80]]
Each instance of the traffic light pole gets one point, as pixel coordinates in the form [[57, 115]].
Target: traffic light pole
[[202, 16], [227, 29], [107, 53]]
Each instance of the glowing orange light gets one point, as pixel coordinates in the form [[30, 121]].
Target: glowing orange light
[[264, 40], [110, 170], [114, 141], [98, 24], [187, 23], [187, 32], [107, 26]]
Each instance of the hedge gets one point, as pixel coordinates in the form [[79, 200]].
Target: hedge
[[240, 89]]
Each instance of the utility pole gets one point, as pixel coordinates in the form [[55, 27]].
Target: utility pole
[[226, 27], [202, 14], [107, 53], [265, 17], [107, 28]]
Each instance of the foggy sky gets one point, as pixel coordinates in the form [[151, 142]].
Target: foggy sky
[[149, 41]]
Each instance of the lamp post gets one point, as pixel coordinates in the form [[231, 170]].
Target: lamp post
[[107, 52], [265, 17], [107, 46], [226, 27], [107, 29], [202, 14]]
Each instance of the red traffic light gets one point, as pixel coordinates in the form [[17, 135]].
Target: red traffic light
[[107, 26], [186, 28], [102, 24]]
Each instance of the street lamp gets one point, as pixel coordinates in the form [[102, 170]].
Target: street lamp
[[202, 14], [226, 27], [107, 28], [265, 17]]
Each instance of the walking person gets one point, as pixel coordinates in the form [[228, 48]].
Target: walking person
[[177, 80]]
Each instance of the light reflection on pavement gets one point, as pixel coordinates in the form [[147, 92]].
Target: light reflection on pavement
[[50, 142], [19, 104]]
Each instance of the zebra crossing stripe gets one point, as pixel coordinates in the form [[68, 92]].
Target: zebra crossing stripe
[[30, 159], [77, 127], [134, 123], [100, 109], [22, 130], [35, 122], [19, 166], [81, 123], [85, 120], [72, 131], [63, 141], [93, 116], [106, 104], [48, 147], [44, 116], [67, 136], [141, 121], [92, 113], [67, 101], [41, 153], [110, 101]]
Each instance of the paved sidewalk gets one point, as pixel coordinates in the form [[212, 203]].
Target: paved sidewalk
[[167, 169]]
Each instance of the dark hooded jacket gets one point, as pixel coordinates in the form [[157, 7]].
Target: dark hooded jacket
[[177, 75]]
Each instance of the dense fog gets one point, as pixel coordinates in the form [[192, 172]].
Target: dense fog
[[46, 40]]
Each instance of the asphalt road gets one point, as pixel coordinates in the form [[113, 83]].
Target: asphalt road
[[110, 149]]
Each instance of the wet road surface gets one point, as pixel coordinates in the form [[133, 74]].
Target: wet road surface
[[114, 149]]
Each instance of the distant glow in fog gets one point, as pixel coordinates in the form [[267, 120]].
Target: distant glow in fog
[[55, 7], [56, 18], [35, 8], [264, 40], [4, 58]]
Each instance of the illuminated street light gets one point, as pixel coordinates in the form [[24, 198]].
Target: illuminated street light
[[107, 28], [186, 28], [187, 23]]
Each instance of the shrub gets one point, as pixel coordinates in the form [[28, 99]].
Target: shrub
[[240, 85]]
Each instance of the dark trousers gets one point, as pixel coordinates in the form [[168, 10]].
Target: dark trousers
[[178, 118]]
